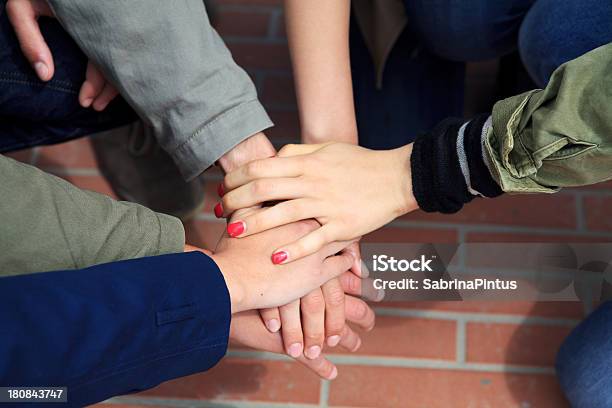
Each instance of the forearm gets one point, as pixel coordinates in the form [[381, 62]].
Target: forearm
[[175, 71], [318, 39], [49, 224]]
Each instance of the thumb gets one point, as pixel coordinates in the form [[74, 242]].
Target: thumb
[[23, 16]]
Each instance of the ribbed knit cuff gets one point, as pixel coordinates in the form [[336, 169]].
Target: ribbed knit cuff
[[439, 182]]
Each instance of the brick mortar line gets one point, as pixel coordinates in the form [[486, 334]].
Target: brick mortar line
[[274, 23], [580, 214], [590, 193], [461, 341], [35, 156], [281, 107], [469, 227], [283, 72], [461, 255], [209, 403], [239, 39], [401, 362], [324, 393], [72, 171], [475, 317]]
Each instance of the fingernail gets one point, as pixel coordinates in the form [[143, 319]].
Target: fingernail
[[313, 352], [332, 341], [380, 295], [365, 272], [41, 70], [220, 190], [218, 210], [273, 325], [279, 257], [87, 102], [333, 374], [358, 265], [236, 228], [295, 350]]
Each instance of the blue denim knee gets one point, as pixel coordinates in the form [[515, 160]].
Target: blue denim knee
[[556, 31], [584, 361]]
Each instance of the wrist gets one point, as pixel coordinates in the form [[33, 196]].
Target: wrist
[[254, 148], [234, 286], [319, 135], [400, 157]]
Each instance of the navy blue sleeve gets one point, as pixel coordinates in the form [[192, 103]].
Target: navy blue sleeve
[[114, 328]]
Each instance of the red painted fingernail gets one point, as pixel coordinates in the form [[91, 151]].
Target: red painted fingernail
[[220, 190], [279, 257], [218, 210], [235, 228]]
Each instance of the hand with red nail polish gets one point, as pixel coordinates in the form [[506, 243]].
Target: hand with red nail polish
[[348, 189], [255, 283]]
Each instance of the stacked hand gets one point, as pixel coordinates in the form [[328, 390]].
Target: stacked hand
[[319, 318], [337, 184], [254, 282]]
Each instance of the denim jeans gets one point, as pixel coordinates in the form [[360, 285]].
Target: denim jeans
[[33, 112], [584, 369], [424, 76]]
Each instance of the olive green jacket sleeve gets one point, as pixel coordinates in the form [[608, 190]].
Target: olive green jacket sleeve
[[560, 136], [47, 224]]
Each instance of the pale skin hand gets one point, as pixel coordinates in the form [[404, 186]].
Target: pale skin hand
[[96, 91], [247, 328], [316, 319], [253, 283], [349, 190]]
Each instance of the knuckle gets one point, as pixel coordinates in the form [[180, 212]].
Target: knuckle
[[252, 168], [360, 310], [314, 337], [291, 335], [313, 303], [228, 202], [294, 207], [260, 188], [335, 297]]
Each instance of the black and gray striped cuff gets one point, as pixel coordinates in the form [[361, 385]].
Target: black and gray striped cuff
[[449, 166]]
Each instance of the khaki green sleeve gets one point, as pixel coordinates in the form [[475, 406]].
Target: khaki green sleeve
[[48, 224], [560, 136]]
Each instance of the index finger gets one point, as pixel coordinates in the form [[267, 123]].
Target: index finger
[[266, 168]]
